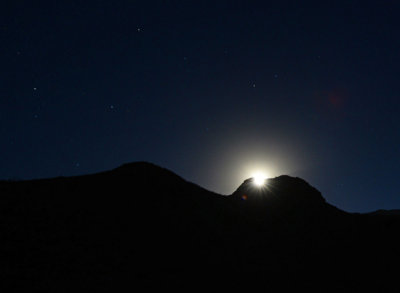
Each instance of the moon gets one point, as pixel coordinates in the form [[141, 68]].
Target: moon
[[259, 179]]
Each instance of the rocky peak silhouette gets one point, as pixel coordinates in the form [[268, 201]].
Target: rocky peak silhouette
[[282, 191]]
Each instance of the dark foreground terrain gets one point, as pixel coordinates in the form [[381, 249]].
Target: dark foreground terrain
[[140, 227]]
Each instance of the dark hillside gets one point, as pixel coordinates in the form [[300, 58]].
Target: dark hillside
[[140, 226]]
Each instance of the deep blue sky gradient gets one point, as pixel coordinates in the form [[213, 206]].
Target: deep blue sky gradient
[[206, 89]]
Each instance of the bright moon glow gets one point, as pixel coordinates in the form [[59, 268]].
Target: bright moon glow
[[259, 179]]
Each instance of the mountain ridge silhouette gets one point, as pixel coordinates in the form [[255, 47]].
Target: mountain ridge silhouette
[[142, 226]]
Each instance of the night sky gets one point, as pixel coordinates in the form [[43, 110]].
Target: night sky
[[212, 90]]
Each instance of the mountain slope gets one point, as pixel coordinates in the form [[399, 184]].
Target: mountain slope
[[141, 226]]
